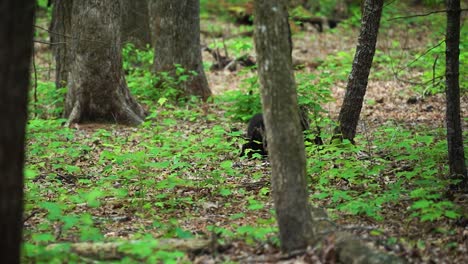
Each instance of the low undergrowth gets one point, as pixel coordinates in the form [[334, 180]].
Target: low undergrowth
[[179, 174], [97, 183]]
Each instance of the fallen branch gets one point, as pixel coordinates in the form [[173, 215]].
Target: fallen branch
[[222, 34], [425, 14], [117, 250]]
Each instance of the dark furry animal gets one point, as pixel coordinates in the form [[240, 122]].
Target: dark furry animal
[[256, 134]]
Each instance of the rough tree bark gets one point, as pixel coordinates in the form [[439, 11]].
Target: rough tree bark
[[357, 80], [135, 23], [16, 32], [178, 42], [283, 127], [300, 225], [456, 152], [152, 20], [60, 28], [97, 90]]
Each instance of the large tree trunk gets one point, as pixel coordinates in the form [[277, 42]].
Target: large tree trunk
[[177, 41], [60, 28], [300, 225], [16, 31], [97, 90], [456, 153], [357, 80], [283, 127], [135, 23]]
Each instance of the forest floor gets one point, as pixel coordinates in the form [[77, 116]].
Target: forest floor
[[180, 175], [388, 100]]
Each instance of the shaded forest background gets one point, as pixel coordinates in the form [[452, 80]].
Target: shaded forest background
[[179, 174]]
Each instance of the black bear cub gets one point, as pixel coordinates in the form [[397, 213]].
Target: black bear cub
[[256, 134]]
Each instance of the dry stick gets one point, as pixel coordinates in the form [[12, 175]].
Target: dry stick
[[35, 80], [415, 83], [66, 36], [33, 213], [217, 55], [49, 63], [368, 140], [225, 48], [52, 32], [434, 69], [425, 14], [48, 43], [426, 52], [395, 73], [392, 66], [405, 44], [389, 3]]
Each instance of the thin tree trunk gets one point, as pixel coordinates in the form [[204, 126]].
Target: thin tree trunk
[[97, 90], [16, 32], [456, 152], [283, 127], [153, 20], [358, 78], [135, 23], [177, 41], [60, 28]]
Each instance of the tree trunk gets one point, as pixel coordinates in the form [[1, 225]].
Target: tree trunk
[[152, 20], [97, 90], [135, 23], [16, 32], [357, 80], [283, 127], [178, 42], [300, 225], [60, 28], [456, 153]]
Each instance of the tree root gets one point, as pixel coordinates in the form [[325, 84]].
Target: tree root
[[348, 248]]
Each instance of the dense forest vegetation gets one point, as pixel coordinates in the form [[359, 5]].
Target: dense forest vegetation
[[138, 145]]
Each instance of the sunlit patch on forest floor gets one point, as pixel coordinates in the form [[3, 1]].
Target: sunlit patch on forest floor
[[179, 175]]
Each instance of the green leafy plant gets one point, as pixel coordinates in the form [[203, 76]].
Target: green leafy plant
[[47, 101], [419, 156], [430, 210], [245, 104], [149, 87], [179, 175]]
